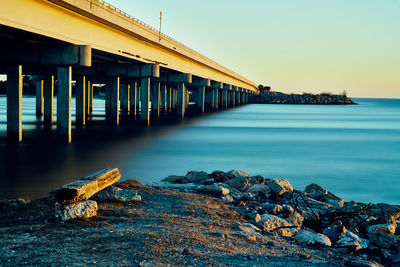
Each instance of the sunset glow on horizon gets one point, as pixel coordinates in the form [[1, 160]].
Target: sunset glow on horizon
[[292, 46]]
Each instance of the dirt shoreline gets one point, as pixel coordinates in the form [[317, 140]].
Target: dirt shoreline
[[168, 227]]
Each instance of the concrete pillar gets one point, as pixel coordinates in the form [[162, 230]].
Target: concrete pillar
[[163, 95], [155, 99], [215, 100], [233, 96], [138, 102], [145, 99], [90, 85], [87, 98], [80, 114], [238, 98], [175, 98], [243, 99], [224, 99], [187, 98], [169, 99], [201, 94], [247, 97], [181, 100], [39, 98], [64, 81], [114, 101], [209, 99], [14, 103], [108, 100], [124, 98], [132, 98], [48, 86]]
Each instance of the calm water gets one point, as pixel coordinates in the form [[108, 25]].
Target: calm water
[[354, 151]]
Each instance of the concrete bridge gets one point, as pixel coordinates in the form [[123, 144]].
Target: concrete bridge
[[146, 72]]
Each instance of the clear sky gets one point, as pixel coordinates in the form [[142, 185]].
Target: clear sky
[[290, 45]]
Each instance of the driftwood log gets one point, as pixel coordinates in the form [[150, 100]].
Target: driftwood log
[[86, 187]]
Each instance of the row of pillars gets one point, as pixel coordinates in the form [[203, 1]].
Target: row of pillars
[[132, 98]]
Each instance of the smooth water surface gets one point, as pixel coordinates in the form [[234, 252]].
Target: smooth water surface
[[354, 151]]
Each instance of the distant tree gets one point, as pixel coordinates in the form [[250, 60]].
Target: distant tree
[[264, 89], [344, 93]]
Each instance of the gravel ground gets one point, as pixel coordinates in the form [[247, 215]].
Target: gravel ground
[[166, 228]]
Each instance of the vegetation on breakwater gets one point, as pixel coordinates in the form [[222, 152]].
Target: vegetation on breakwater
[[266, 96]]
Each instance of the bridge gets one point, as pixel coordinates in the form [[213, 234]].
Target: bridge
[[77, 43]]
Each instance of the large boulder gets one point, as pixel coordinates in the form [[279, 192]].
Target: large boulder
[[321, 194], [256, 188], [272, 223], [296, 219], [389, 228], [118, 194], [237, 173], [311, 238], [385, 240], [385, 213], [239, 183], [335, 231], [196, 177], [220, 176], [83, 210], [174, 179], [278, 186], [213, 189], [352, 241]]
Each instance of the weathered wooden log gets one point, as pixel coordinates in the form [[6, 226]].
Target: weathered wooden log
[[86, 187]]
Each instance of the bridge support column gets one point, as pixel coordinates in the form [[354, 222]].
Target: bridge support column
[[238, 98], [64, 81], [155, 99], [138, 93], [233, 96], [132, 98], [247, 97], [91, 96], [39, 98], [224, 98], [243, 100], [14, 103], [125, 97], [187, 98], [145, 99], [169, 99], [80, 114], [87, 99], [107, 100], [114, 101], [215, 99], [48, 100], [181, 98], [163, 95], [201, 94]]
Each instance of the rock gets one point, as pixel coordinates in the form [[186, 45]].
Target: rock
[[228, 199], [296, 219], [83, 209], [384, 213], [179, 187], [118, 194], [286, 211], [321, 194], [256, 188], [86, 187], [318, 207], [270, 223], [387, 228], [12, 203], [239, 183], [237, 173], [313, 238], [385, 240], [278, 186], [213, 189], [196, 177], [220, 176], [271, 208], [362, 263], [335, 231], [352, 241], [174, 179]]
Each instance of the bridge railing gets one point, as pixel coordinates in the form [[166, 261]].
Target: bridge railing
[[140, 22]]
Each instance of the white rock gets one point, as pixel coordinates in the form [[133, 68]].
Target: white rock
[[82, 209], [271, 222], [313, 238], [278, 186], [350, 239]]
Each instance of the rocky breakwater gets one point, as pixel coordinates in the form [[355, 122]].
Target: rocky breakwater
[[310, 99], [312, 217]]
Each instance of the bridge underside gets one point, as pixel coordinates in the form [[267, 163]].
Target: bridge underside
[[136, 85]]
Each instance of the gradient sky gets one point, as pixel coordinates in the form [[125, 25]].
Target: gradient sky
[[290, 45]]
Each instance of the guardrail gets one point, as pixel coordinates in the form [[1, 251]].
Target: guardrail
[[139, 21]]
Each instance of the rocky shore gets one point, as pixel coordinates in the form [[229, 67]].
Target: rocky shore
[[219, 218], [310, 99]]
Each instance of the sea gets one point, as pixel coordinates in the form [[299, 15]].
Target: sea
[[353, 150]]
